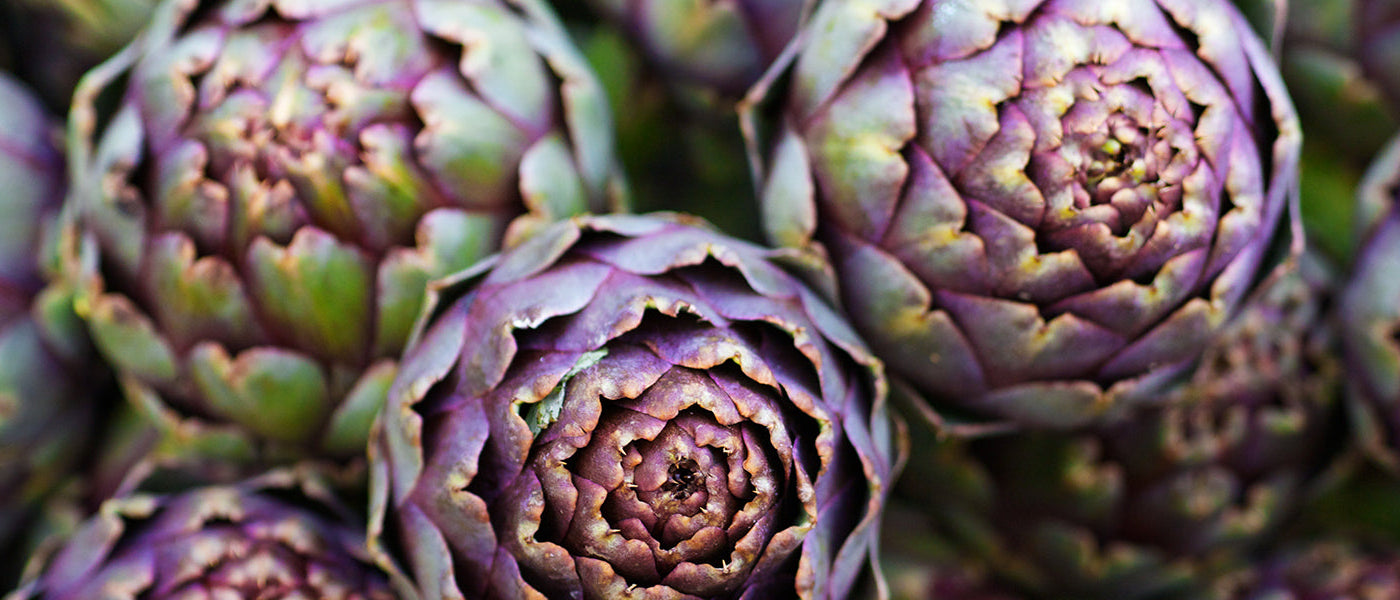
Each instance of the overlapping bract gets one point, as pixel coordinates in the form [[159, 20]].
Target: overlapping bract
[[281, 535], [722, 47], [632, 407], [1155, 505], [51, 387], [1370, 310], [1036, 210], [281, 178]]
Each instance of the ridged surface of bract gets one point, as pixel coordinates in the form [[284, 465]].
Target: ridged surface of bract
[[281, 535], [632, 407], [1153, 506], [1037, 211], [280, 180], [720, 46], [49, 378], [1370, 310]]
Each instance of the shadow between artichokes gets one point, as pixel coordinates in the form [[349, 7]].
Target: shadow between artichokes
[[1036, 211], [631, 407], [280, 179]]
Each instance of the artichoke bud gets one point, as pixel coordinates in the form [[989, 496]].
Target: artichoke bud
[[278, 183], [631, 407]]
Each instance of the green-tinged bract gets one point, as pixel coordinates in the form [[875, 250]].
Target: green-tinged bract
[[632, 407], [719, 47], [279, 181], [52, 390], [1035, 211]]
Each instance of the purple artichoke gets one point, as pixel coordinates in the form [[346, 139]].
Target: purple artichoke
[[722, 47], [1154, 504], [632, 407], [282, 535], [281, 178], [51, 387], [1039, 210], [1370, 310]]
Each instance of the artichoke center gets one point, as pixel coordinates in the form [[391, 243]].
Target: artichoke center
[[683, 479]]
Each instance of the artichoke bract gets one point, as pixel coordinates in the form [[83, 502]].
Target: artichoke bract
[[281, 535], [1153, 505], [1369, 310], [56, 41], [720, 46], [632, 407], [1037, 211], [51, 386], [281, 178]]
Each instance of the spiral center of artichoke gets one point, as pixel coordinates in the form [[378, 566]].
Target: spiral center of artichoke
[[683, 479]]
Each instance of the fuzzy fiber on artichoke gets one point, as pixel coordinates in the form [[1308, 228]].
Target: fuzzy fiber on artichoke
[[632, 407]]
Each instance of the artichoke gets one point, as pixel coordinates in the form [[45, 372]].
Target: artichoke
[[1151, 506], [282, 535], [1370, 311], [631, 407], [1329, 570], [280, 179], [1036, 211], [720, 47], [51, 386]]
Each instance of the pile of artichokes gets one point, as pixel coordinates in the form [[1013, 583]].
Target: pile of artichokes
[[700, 299]]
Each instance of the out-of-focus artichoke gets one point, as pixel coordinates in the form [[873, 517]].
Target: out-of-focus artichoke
[[51, 386], [1378, 45], [1152, 506], [55, 41], [922, 566], [722, 47], [282, 535], [1331, 570], [1370, 310], [632, 407], [1041, 210], [281, 179]]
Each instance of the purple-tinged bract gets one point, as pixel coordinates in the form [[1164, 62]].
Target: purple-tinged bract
[[281, 178], [52, 388], [1370, 310], [1325, 570], [632, 407], [282, 535], [1036, 210]]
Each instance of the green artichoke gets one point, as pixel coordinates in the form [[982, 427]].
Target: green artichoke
[[1370, 310], [632, 407], [1036, 211], [720, 47], [1151, 506], [279, 181], [282, 535], [52, 390]]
